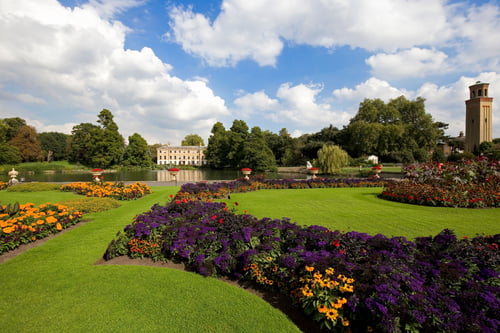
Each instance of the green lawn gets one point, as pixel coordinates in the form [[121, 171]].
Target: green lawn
[[56, 287], [359, 209]]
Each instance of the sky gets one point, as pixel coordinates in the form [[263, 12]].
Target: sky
[[169, 68]]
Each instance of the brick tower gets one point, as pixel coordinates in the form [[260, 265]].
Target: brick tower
[[478, 116]]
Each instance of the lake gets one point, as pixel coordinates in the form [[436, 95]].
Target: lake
[[143, 175]]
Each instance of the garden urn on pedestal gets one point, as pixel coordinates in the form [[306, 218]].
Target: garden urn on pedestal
[[377, 169], [246, 172], [313, 171], [96, 173], [13, 174], [173, 172]]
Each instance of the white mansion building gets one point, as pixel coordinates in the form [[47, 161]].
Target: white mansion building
[[181, 155]]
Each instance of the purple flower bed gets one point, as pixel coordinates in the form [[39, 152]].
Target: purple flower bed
[[435, 284], [205, 190]]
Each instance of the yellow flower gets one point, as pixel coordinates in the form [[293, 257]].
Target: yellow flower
[[332, 314], [309, 268], [322, 308], [345, 322], [329, 271]]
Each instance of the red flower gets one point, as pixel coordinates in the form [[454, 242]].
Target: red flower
[[177, 202], [313, 168], [246, 169], [336, 243], [236, 203], [171, 196], [173, 169], [221, 221], [97, 170]]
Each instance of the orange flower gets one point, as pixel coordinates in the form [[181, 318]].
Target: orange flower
[[51, 219], [59, 226], [309, 268]]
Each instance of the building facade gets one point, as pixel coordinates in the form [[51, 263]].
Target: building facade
[[181, 155], [478, 116]]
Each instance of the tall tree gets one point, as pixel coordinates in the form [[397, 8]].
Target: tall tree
[[26, 140], [256, 154], [399, 130], [14, 124], [331, 158], [54, 145], [192, 140], [238, 138], [137, 152], [82, 142], [218, 147], [109, 143]]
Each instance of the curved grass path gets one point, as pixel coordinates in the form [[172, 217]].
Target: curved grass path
[[56, 287], [359, 209]]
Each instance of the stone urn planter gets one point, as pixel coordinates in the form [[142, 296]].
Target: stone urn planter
[[173, 172], [377, 169], [96, 173], [246, 172], [13, 174], [313, 171]]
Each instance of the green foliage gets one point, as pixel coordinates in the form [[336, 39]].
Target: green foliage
[[256, 154], [26, 141], [192, 140], [218, 147], [331, 158], [33, 187], [97, 146], [137, 152], [91, 205], [54, 145], [9, 154], [10, 209], [400, 130], [13, 125]]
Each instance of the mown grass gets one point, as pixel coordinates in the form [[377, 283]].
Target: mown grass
[[56, 287], [359, 209]]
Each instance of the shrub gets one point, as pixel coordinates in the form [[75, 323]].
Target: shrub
[[92, 205], [33, 187]]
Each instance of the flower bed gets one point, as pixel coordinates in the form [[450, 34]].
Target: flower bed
[[117, 191], [369, 283], [3, 185], [467, 184], [217, 190], [22, 224]]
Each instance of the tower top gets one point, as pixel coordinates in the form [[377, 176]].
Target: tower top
[[479, 89]]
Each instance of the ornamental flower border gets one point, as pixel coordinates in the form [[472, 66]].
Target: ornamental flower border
[[463, 184], [433, 284], [118, 191], [28, 223]]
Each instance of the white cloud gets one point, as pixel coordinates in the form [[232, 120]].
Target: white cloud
[[77, 59], [371, 88], [294, 106], [256, 29], [415, 62]]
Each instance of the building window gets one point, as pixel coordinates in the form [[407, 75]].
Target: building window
[[479, 92]]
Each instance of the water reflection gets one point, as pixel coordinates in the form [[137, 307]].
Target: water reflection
[[142, 175]]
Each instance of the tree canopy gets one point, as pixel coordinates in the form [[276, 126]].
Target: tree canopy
[[192, 140]]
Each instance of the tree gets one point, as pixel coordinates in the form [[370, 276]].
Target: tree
[[331, 158], [400, 130], [238, 138], [218, 147], [54, 145], [137, 152], [26, 141], [192, 140], [82, 142], [14, 124], [9, 154], [109, 144], [153, 152], [256, 154]]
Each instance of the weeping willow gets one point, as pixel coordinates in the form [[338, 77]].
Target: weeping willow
[[332, 158]]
